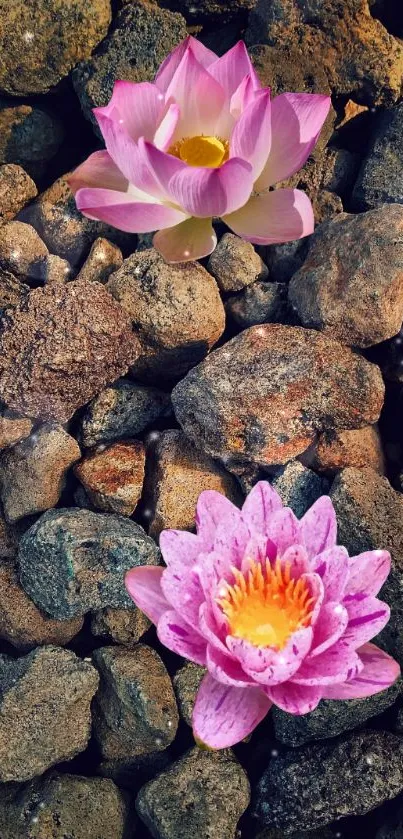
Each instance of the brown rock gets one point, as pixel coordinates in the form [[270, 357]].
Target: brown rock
[[44, 711], [86, 342], [16, 190], [176, 312], [135, 709], [351, 284], [123, 626], [235, 264], [40, 45], [12, 291], [57, 270], [13, 429], [22, 251], [122, 410], [32, 474], [8, 539], [186, 682], [176, 475], [326, 205], [103, 259], [263, 396], [29, 137], [22, 624], [203, 10], [260, 302], [113, 477], [359, 448]]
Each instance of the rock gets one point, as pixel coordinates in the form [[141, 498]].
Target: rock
[[90, 554], [113, 476], [8, 539], [60, 806], [380, 179], [103, 259], [13, 429], [16, 190], [142, 37], [299, 487], [360, 448], [235, 264], [312, 786], [285, 259], [176, 475], [44, 711], [32, 474], [22, 251], [29, 137], [176, 312], [261, 302], [123, 626], [351, 284], [208, 10], [122, 410], [326, 205], [38, 51], [186, 684], [135, 709], [203, 794], [341, 39], [369, 515], [264, 395], [86, 342], [132, 773], [13, 293], [57, 270], [22, 624]]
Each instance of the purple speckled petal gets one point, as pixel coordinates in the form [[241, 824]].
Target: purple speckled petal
[[259, 507], [336, 664], [367, 616], [379, 672], [179, 548], [329, 627], [332, 567], [226, 670], [225, 715], [295, 699], [144, 586], [272, 666], [182, 588], [318, 527], [179, 637], [230, 542], [212, 629], [212, 508], [368, 572], [282, 529], [297, 556]]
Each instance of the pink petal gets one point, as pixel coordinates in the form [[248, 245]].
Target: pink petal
[[318, 527], [317, 591], [166, 129], [231, 541], [144, 587], [226, 670], [223, 715], [297, 558], [332, 568], [244, 95], [296, 122], [367, 616], [259, 506], [204, 56], [295, 699], [230, 69], [250, 139], [125, 211], [200, 98], [329, 627], [210, 630], [207, 192], [336, 664], [268, 666], [190, 240], [379, 672], [212, 508], [282, 529], [180, 638], [280, 216], [137, 107], [98, 170], [153, 170], [178, 547], [120, 145], [181, 588], [368, 572]]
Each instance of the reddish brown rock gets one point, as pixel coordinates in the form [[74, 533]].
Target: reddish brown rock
[[16, 190], [22, 251], [235, 264], [113, 477], [86, 342], [13, 429], [123, 626], [264, 396], [359, 448], [103, 259]]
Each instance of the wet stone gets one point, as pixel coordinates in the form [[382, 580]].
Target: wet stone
[[186, 683], [113, 477], [380, 179], [299, 487], [261, 302], [122, 410], [22, 251], [360, 448], [235, 264], [123, 626], [103, 259], [135, 708], [90, 554], [16, 190], [29, 137]]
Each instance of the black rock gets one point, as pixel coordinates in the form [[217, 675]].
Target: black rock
[[380, 179], [122, 410]]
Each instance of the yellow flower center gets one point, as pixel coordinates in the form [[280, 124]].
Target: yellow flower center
[[201, 151], [265, 606]]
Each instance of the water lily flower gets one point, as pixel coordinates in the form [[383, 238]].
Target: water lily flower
[[203, 141], [276, 611]]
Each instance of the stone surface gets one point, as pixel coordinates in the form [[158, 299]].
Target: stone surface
[[285, 259], [208, 10], [369, 516], [22, 624], [176, 311], [123, 626], [40, 44], [22, 251], [132, 773], [235, 264], [380, 179], [313, 786], [16, 190], [57, 270], [113, 476], [203, 794], [299, 487], [261, 302], [103, 259], [122, 410], [135, 708], [86, 341], [8, 539], [90, 554], [326, 206], [176, 475], [29, 137], [186, 684], [44, 711], [359, 448], [264, 395], [12, 292], [13, 429], [32, 474], [351, 283]]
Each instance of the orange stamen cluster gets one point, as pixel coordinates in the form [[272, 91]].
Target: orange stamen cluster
[[265, 605]]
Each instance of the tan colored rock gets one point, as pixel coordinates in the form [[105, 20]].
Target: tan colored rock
[[57, 270], [235, 264], [123, 626], [13, 429], [8, 539], [113, 476], [186, 683], [360, 448], [12, 292], [22, 251], [103, 259], [16, 190]]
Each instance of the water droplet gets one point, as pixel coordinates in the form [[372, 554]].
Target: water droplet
[[186, 253], [169, 724], [158, 741], [274, 752]]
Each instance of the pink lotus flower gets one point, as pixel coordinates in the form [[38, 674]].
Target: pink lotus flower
[[204, 140], [275, 610]]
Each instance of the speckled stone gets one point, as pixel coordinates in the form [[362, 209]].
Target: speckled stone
[[186, 682], [113, 476], [299, 487], [16, 190], [103, 259], [261, 302], [13, 429], [380, 179], [360, 448], [22, 251], [123, 626], [13, 292], [122, 410], [235, 264], [29, 137], [57, 270]]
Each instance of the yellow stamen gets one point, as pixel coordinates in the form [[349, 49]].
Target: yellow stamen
[[265, 606], [201, 151]]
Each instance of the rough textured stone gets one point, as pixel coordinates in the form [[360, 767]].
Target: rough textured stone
[[29, 137], [380, 179], [176, 312], [235, 264], [86, 341], [44, 711], [22, 624], [135, 708], [13, 429], [41, 42], [12, 292], [208, 10], [326, 206], [142, 37], [90, 554], [261, 302], [123, 626], [264, 395], [32, 474], [22, 251], [57, 270], [299, 487], [113, 477], [176, 475], [103, 259], [122, 410], [203, 794], [186, 684], [8, 539], [16, 190], [369, 515], [359, 448], [285, 259], [351, 283]]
